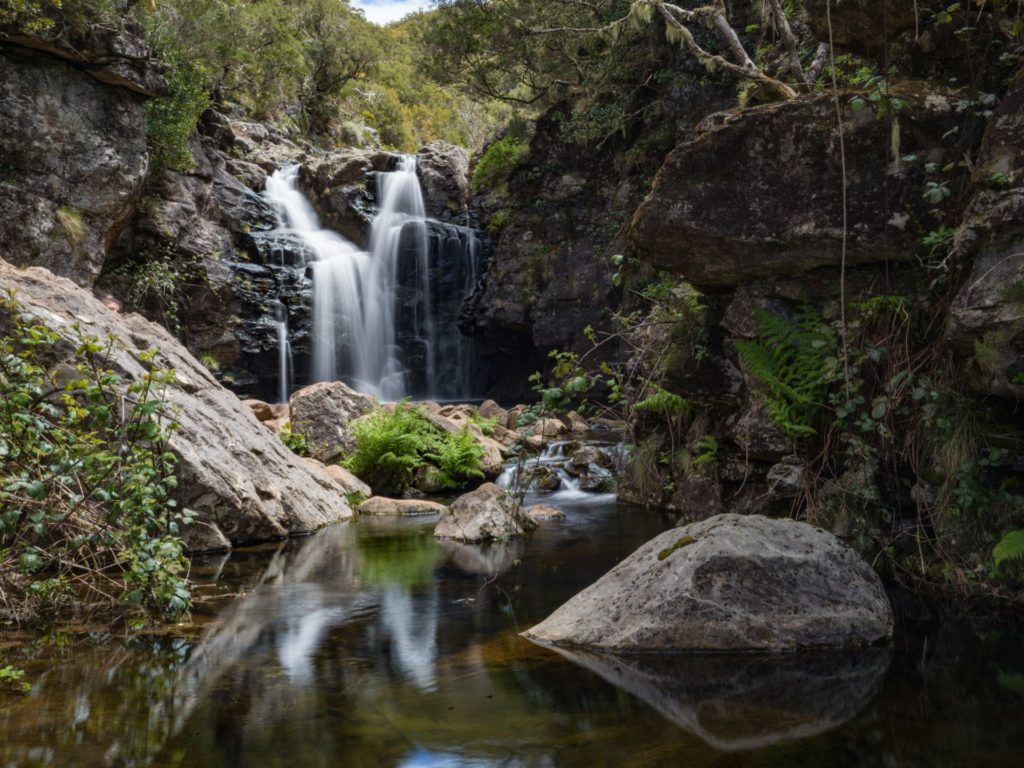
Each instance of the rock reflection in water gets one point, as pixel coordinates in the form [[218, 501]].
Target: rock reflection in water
[[740, 701], [483, 559]]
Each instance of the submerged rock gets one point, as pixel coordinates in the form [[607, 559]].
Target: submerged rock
[[486, 513], [544, 512], [728, 583], [324, 412], [239, 477], [382, 507]]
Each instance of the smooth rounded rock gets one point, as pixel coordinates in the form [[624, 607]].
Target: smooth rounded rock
[[380, 506], [488, 513], [728, 583]]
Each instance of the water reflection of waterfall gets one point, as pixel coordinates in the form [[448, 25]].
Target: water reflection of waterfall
[[386, 320]]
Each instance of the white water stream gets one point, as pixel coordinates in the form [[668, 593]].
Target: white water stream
[[354, 291]]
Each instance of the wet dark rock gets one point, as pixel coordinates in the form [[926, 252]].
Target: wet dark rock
[[987, 315], [729, 583], [776, 208]]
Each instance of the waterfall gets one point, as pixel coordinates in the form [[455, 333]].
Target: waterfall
[[284, 352], [385, 320]]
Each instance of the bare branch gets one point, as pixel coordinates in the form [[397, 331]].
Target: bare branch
[[786, 33]]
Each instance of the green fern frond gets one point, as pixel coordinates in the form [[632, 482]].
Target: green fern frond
[[789, 361], [1011, 547], [667, 404]]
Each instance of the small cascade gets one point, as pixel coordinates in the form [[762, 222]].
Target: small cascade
[[284, 352], [386, 320], [551, 475]]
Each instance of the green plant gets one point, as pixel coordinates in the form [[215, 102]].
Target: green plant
[[486, 426], [296, 441], [210, 361], [389, 444], [1009, 548], [86, 481], [665, 404], [171, 118], [496, 164], [458, 458], [790, 361], [11, 679]]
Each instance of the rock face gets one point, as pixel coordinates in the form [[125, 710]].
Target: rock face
[[72, 157], [987, 316], [323, 412], [444, 173], [484, 514], [776, 208], [242, 481], [729, 583]]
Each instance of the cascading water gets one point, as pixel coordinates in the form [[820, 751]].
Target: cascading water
[[284, 352], [386, 321]]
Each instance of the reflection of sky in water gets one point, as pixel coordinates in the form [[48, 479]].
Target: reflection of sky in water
[[303, 626], [422, 758], [412, 625]]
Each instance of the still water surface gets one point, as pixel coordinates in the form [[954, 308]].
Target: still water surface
[[370, 644]]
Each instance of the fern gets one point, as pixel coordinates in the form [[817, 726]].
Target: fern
[[458, 458], [388, 447], [1011, 547], [665, 403], [790, 362]]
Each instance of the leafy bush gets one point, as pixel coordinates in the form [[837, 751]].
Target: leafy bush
[[458, 459], [171, 118], [497, 163], [391, 444], [296, 441], [86, 479]]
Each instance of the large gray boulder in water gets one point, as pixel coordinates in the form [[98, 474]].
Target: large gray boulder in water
[[728, 583], [236, 474], [488, 513]]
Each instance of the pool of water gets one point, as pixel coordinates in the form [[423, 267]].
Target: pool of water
[[371, 644]]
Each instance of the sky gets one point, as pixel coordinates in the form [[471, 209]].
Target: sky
[[384, 11]]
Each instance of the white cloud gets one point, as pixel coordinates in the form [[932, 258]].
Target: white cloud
[[385, 11]]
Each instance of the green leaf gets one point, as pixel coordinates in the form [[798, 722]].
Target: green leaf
[[1011, 547]]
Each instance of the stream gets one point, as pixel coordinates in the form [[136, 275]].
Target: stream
[[372, 644]]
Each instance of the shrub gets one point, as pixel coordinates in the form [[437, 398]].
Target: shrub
[[86, 478], [296, 441], [171, 118], [495, 166], [389, 447], [458, 459], [391, 444]]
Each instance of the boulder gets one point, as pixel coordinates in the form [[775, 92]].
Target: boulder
[[547, 427], [443, 169], [240, 479], [324, 412], [261, 410], [728, 583], [577, 423], [348, 481], [987, 313], [337, 185], [74, 162], [776, 208], [491, 410], [484, 514], [379, 506], [542, 512]]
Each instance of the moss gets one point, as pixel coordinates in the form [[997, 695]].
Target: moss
[[683, 542]]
